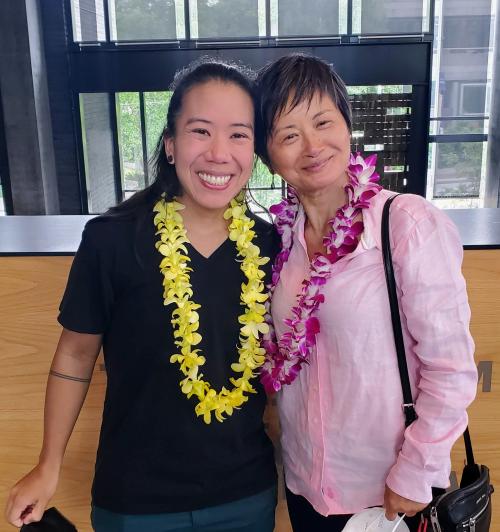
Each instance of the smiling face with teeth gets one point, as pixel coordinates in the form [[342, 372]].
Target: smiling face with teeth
[[213, 146]]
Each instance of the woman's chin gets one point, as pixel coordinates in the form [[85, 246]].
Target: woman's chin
[[319, 184], [215, 198]]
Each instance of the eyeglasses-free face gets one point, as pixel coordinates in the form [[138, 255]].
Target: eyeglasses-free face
[[213, 147], [310, 145]]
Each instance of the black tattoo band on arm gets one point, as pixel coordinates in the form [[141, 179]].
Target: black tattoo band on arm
[[68, 377]]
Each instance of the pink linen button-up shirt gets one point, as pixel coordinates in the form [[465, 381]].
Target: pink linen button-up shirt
[[343, 434]]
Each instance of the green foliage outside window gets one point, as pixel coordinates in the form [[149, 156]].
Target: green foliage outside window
[[129, 134], [139, 20], [461, 159], [155, 107]]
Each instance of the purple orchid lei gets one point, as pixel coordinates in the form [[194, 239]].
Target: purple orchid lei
[[284, 358]]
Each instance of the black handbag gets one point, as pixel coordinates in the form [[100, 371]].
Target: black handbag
[[468, 508], [52, 521]]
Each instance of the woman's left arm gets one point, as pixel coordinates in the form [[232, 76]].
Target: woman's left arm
[[435, 306]]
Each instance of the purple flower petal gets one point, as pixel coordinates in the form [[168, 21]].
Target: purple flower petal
[[284, 358]]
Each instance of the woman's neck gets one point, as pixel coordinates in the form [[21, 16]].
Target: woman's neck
[[195, 215], [206, 229], [321, 206]]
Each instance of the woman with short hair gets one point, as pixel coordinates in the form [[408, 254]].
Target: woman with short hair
[[332, 356]]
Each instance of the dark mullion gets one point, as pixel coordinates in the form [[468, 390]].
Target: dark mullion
[[464, 137], [349, 17], [68, 22], [268, 18], [432, 15], [78, 131], [466, 118], [143, 139], [107, 28], [418, 147], [117, 163], [187, 21], [4, 168], [77, 119], [458, 198]]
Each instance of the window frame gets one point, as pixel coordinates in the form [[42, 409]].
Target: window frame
[[112, 66]]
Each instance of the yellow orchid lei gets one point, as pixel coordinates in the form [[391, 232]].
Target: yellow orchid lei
[[185, 318]]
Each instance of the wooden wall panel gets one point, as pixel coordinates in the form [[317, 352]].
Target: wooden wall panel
[[482, 272], [30, 291]]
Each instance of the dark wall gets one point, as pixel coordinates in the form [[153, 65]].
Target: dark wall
[[61, 106], [26, 111]]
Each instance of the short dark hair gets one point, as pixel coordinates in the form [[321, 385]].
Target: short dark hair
[[196, 73], [301, 76]]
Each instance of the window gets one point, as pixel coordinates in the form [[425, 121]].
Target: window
[[382, 125], [134, 120], [99, 150], [461, 82], [165, 20], [223, 19], [130, 142], [140, 119], [472, 98], [265, 189], [469, 30], [296, 17], [88, 20], [459, 167], [387, 16], [146, 20], [130, 128], [156, 106]]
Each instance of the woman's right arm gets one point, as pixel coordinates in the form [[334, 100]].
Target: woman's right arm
[[67, 386]]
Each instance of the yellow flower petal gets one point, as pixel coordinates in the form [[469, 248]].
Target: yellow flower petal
[[175, 269]]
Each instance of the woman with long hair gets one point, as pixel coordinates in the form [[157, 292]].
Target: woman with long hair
[[171, 284]]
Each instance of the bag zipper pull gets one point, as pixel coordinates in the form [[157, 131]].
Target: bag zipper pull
[[434, 520]]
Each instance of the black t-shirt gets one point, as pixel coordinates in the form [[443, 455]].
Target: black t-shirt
[[155, 455]]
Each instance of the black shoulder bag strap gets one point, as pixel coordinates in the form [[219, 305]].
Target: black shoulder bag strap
[[408, 404]]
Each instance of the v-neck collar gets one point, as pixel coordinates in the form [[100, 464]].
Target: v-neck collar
[[214, 253]]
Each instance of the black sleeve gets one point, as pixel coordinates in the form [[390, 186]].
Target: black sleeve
[[88, 298]]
